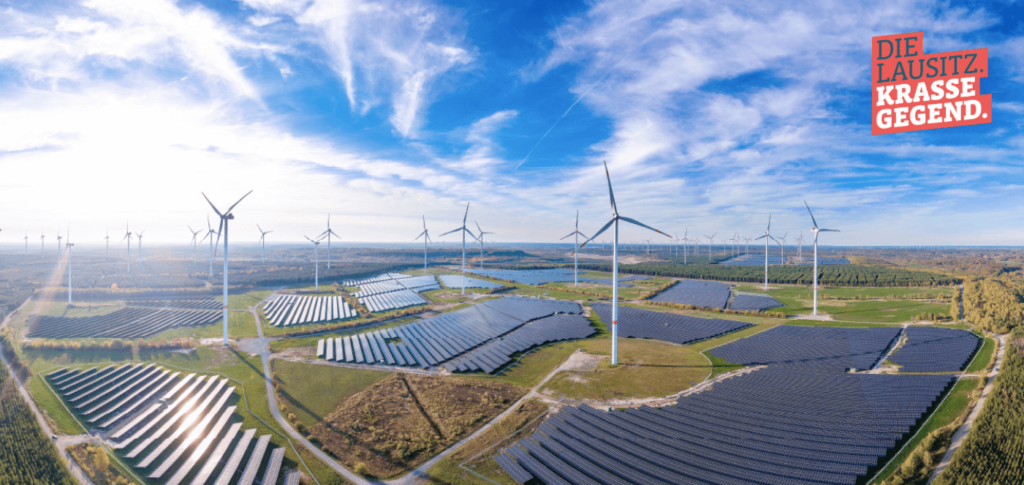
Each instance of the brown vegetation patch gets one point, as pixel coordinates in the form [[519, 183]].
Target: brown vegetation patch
[[395, 424]]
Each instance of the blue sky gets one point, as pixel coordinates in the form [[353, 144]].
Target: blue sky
[[711, 115]]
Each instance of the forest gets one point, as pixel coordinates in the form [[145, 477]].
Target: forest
[[994, 304], [993, 452], [27, 456]]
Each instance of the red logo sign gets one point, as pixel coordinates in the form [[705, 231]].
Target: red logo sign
[[914, 91]]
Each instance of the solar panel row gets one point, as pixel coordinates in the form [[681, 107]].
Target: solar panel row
[[754, 303], [930, 349], [125, 323], [431, 342], [670, 327], [498, 352], [182, 426], [823, 348], [707, 294], [284, 310], [374, 279], [187, 302], [780, 425], [392, 301]]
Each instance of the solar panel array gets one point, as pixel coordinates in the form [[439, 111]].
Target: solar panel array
[[492, 355], [554, 275], [930, 349], [780, 425], [707, 294], [174, 428], [455, 281], [431, 342], [821, 348], [284, 310], [188, 302], [754, 303], [681, 329], [126, 323], [391, 291]]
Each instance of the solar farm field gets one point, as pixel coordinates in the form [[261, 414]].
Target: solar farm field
[[820, 348], [127, 323], [668, 327], [456, 282], [453, 340], [930, 349], [707, 294], [392, 291]]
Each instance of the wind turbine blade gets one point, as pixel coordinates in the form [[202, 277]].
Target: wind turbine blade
[[451, 231], [605, 228], [239, 200], [211, 205], [219, 232], [424, 233], [611, 194], [466, 215], [307, 238], [828, 230], [257, 227], [759, 238], [424, 222], [769, 222], [638, 223], [570, 234], [330, 231], [812, 214]]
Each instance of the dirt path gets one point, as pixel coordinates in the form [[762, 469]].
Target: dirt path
[[961, 433]]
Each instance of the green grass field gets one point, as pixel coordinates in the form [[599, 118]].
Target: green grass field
[[984, 356], [312, 391], [954, 405], [240, 325], [876, 307]]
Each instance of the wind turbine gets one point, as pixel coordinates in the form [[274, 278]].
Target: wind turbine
[[481, 239], [128, 236], [783, 244], [223, 229], [426, 238], [209, 234], [139, 235], [328, 234], [194, 235], [767, 235], [464, 232], [711, 244], [69, 245], [26, 242], [816, 231], [615, 261], [107, 238], [263, 241], [800, 248], [42, 245], [575, 250], [59, 249], [316, 251], [746, 250]]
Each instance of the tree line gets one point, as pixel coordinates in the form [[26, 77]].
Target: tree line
[[994, 304], [993, 452], [27, 456]]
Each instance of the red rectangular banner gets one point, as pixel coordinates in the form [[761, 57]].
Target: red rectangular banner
[[913, 91]]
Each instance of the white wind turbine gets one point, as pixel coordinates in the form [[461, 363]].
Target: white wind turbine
[[464, 232], [615, 261], [575, 250], [69, 246], [59, 248], [328, 233], [426, 239], [711, 244], [223, 229], [139, 235], [800, 248], [107, 239], [128, 236], [816, 231], [42, 245], [316, 251], [263, 242], [195, 234], [783, 244], [26, 242], [767, 235], [209, 234], [746, 249], [480, 238]]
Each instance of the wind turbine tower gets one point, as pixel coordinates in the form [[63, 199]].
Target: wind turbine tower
[[816, 231], [223, 229], [42, 245], [263, 242], [464, 232], [328, 233], [194, 235], [767, 235], [615, 261], [576, 250], [209, 234], [69, 264], [139, 235], [107, 239], [128, 236], [59, 249], [316, 252], [426, 239], [711, 244], [481, 240]]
